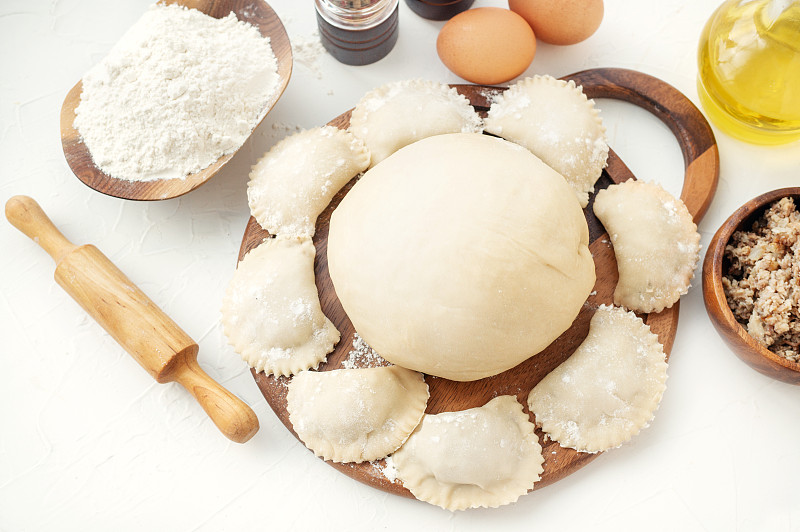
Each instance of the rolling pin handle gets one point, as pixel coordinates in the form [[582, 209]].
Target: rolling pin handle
[[26, 215], [231, 415]]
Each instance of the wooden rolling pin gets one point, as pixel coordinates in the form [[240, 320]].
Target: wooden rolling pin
[[132, 319]]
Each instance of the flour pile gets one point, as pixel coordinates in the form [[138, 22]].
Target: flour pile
[[179, 90]]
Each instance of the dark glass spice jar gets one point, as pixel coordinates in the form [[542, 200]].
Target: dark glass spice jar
[[357, 32], [439, 9]]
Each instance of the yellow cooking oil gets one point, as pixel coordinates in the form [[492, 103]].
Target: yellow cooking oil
[[749, 70]]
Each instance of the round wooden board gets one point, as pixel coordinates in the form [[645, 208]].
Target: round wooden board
[[257, 13], [702, 168]]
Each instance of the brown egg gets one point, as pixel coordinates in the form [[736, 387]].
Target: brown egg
[[486, 45], [562, 21]]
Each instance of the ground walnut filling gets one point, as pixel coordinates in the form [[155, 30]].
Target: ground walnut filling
[[762, 284]]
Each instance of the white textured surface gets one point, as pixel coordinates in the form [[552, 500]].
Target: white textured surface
[[88, 441]]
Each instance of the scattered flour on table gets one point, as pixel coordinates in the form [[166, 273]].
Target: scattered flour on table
[[306, 50], [282, 129], [179, 90]]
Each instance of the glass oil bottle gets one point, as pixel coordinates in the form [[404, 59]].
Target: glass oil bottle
[[749, 70]]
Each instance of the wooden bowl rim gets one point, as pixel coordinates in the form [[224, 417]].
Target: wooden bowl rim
[[713, 270]]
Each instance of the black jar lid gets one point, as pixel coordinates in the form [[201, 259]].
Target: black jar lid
[[439, 9]]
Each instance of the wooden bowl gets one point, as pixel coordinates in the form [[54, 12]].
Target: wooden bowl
[[714, 267], [257, 13]]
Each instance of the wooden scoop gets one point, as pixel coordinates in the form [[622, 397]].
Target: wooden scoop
[[132, 319]]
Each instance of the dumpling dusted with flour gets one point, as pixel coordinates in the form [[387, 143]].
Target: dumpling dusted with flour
[[400, 113], [608, 389], [356, 415], [481, 457], [296, 179], [656, 244], [558, 123], [271, 312]]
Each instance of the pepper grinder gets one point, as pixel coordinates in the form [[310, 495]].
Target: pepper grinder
[[357, 32]]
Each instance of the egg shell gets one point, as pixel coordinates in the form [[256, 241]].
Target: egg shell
[[486, 45], [560, 22]]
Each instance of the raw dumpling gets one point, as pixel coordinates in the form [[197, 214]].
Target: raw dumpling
[[296, 179], [356, 415], [554, 120], [608, 389], [271, 313], [399, 113], [656, 244], [481, 457]]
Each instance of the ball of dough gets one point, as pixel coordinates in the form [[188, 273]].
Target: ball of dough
[[460, 256]]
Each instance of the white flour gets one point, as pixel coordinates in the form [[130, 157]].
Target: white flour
[[179, 90], [363, 356], [306, 50]]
